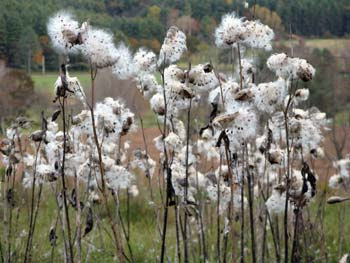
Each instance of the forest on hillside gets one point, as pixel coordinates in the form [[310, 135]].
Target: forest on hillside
[[24, 40]]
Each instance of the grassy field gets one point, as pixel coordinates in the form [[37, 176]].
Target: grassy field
[[46, 82], [145, 242], [335, 45]]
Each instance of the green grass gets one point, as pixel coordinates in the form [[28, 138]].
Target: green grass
[[46, 82], [145, 241], [335, 45], [342, 118], [149, 119], [143, 232]]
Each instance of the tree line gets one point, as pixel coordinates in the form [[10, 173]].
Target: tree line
[[24, 42]]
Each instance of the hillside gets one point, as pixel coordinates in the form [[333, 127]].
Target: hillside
[[23, 37]]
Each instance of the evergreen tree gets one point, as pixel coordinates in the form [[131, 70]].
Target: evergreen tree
[[28, 45], [3, 34], [14, 29]]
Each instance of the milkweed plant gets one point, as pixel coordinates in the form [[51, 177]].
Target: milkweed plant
[[235, 187]]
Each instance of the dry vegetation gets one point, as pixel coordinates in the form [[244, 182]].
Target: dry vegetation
[[142, 160]]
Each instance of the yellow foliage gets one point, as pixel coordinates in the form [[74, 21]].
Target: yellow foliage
[[152, 44], [133, 42], [154, 12], [44, 40], [270, 18], [38, 56]]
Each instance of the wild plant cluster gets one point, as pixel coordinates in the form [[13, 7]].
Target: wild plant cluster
[[237, 188]]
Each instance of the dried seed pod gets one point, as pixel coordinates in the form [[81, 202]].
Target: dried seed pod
[[5, 146], [10, 196], [22, 121], [281, 188], [244, 95], [182, 182], [186, 93], [89, 222], [55, 115], [60, 200], [51, 177], [275, 156], [208, 68], [9, 170], [126, 126], [52, 237], [212, 178], [37, 136], [223, 136], [337, 199], [226, 118]]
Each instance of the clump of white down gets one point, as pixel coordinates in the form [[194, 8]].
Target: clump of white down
[[95, 44], [233, 30], [113, 120], [290, 68], [173, 47], [59, 27], [99, 49], [342, 178], [73, 86]]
